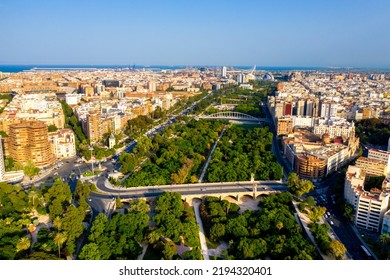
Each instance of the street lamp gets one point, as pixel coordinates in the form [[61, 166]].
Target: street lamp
[[91, 149]]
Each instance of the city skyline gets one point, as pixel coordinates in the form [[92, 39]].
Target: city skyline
[[305, 34]]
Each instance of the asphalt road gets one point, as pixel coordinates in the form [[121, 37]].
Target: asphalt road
[[341, 226], [186, 189]]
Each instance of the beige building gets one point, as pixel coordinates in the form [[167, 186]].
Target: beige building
[[284, 126], [371, 167], [383, 156], [63, 143], [29, 140], [308, 166], [93, 126]]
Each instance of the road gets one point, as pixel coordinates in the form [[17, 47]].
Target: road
[[275, 145], [342, 227], [186, 189]]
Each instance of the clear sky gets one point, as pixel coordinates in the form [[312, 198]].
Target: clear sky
[[353, 33]]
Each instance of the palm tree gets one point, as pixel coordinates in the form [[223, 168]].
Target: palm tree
[[23, 244], [57, 223], [60, 239], [32, 195]]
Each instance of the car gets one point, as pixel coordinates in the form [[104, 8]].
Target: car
[[203, 189], [89, 199], [115, 171], [328, 213], [331, 222]]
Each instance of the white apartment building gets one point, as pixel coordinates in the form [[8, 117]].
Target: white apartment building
[[72, 98], [370, 210], [370, 207], [329, 110], [63, 143], [335, 130], [303, 121]]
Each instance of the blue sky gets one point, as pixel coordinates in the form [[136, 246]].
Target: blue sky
[[268, 33]]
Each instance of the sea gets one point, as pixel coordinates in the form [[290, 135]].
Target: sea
[[20, 68]]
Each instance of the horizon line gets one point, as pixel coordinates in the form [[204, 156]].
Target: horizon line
[[194, 65]]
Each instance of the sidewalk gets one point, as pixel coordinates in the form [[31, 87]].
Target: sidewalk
[[202, 237], [305, 221]]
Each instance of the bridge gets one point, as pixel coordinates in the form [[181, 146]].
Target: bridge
[[222, 190], [237, 116]]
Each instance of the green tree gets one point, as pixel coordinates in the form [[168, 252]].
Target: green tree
[[118, 202], [292, 180], [337, 249], [297, 186], [30, 168], [23, 244], [316, 213], [139, 206], [349, 211], [98, 226], [52, 128], [90, 252], [169, 250], [385, 239], [217, 231], [72, 225]]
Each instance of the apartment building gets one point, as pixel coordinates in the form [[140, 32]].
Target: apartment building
[[383, 156], [370, 206], [29, 140], [308, 166], [344, 130], [284, 126], [93, 126], [371, 167]]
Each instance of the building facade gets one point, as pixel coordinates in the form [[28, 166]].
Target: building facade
[[284, 126], [63, 143], [370, 206], [29, 140], [308, 166], [383, 156], [371, 167], [93, 126]]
